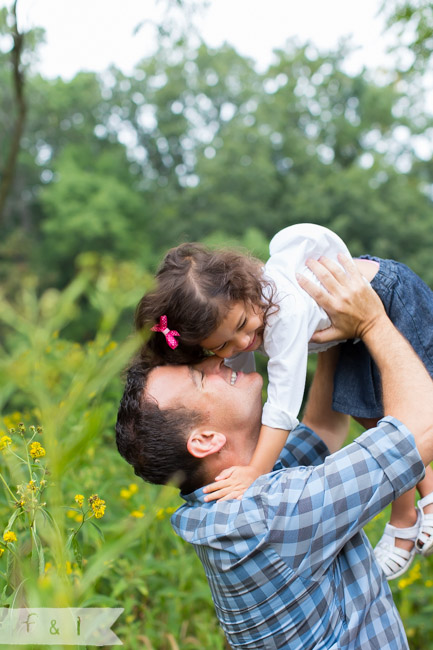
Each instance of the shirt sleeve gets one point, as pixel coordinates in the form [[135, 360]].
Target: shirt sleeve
[[286, 345], [313, 511], [303, 447]]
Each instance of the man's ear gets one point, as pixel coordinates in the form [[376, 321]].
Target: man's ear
[[203, 442]]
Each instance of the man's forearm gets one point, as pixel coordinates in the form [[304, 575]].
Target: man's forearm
[[406, 385], [356, 311]]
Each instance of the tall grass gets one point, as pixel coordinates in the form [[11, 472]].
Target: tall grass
[[66, 556]]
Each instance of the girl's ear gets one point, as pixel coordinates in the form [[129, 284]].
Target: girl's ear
[[202, 442]]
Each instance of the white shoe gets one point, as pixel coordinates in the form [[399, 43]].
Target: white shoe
[[424, 541], [394, 561]]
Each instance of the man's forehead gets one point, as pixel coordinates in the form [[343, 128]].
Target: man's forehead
[[167, 384]]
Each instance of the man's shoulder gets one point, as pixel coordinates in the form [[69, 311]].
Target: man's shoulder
[[200, 522], [303, 447], [231, 525]]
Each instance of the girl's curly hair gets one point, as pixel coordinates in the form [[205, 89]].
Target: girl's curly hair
[[195, 286]]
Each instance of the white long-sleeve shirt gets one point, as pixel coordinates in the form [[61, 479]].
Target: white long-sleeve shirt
[[286, 339]]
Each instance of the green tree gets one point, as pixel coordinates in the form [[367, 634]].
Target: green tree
[[412, 23]]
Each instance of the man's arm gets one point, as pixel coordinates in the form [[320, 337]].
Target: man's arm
[[356, 311], [329, 425]]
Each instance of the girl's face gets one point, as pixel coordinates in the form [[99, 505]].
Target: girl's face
[[241, 330]]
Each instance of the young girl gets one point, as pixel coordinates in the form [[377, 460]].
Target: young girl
[[228, 304]]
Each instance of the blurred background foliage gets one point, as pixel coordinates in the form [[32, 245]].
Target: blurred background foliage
[[99, 175]]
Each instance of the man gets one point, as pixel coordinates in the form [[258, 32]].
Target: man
[[288, 565]]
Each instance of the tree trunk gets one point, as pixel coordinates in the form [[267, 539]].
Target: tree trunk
[[8, 172]]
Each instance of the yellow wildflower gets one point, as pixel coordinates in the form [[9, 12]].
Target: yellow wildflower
[[429, 583], [160, 514], [36, 450], [137, 514], [125, 494], [133, 488], [1, 551], [71, 514], [79, 498], [4, 442], [170, 511], [68, 568], [9, 536], [32, 486], [111, 346], [98, 506]]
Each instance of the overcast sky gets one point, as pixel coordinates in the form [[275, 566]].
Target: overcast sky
[[91, 34]]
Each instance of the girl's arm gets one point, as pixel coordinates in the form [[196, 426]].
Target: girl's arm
[[232, 482]]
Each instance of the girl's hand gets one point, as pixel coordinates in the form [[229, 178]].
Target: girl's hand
[[231, 483]]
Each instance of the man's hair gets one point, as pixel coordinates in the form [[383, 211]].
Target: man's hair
[[154, 440]]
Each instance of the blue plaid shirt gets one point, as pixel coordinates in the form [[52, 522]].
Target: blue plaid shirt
[[289, 565]]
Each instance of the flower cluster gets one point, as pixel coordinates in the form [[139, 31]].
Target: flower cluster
[[36, 450], [412, 576], [9, 536], [97, 505], [4, 442], [127, 493]]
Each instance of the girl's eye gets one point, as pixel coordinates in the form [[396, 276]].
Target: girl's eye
[[241, 327]]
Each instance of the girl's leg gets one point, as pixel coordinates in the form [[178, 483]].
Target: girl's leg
[[403, 516], [425, 486], [425, 489], [403, 512]]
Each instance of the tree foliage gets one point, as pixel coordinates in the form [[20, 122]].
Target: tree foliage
[[412, 21], [197, 144]]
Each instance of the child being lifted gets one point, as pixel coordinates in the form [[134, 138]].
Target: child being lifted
[[229, 304]]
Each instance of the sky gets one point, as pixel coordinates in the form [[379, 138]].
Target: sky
[[92, 34]]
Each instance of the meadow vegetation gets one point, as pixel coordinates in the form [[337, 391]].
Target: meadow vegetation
[[111, 170]]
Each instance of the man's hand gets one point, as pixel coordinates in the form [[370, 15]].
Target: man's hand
[[346, 296], [231, 483]]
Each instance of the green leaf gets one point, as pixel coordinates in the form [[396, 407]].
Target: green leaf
[[98, 529], [77, 551], [101, 601], [16, 513]]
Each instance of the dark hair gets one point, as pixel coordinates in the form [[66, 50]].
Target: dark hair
[[153, 440], [195, 287]]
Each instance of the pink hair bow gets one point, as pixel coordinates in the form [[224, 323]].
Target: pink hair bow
[[169, 334]]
